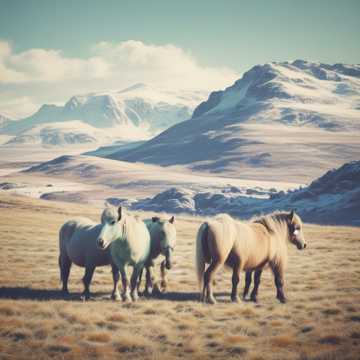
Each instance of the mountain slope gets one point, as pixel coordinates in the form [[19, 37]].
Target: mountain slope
[[140, 106], [283, 116]]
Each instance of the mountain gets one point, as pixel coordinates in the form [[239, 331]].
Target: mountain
[[334, 198], [141, 107], [60, 134], [296, 119], [4, 120]]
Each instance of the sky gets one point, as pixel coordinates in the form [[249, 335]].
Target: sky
[[51, 50]]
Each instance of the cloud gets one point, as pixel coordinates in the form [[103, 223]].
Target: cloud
[[48, 75], [18, 107], [40, 65], [168, 65]]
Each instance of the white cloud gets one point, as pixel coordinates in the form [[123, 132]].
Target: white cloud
[[49, 76], [18, 107]]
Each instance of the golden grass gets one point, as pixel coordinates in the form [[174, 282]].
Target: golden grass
[[321, 321]]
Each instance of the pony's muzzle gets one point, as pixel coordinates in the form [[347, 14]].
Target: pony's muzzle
[[101, 243], [300, 246], [168, 264]]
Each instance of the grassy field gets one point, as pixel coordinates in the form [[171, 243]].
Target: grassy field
[[321, 320]]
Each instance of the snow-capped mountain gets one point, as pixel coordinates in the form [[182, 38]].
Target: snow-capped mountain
[[297, 118], [142, 107], [297, 93], [60, 134]]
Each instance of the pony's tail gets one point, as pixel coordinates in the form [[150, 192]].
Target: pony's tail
[[61, 249], [201, 239], [65, 233], [60, 268]]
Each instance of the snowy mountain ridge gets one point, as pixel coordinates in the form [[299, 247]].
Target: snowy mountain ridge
[[278, 116], [296, 93], [142, 107]]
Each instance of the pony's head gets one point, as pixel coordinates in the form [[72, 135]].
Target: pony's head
[[167, 237], [295, 229], [113, 226]]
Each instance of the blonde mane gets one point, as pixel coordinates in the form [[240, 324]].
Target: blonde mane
[[274, 222]]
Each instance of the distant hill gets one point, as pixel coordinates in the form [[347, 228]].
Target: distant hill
[[60, 134], [334, 198]]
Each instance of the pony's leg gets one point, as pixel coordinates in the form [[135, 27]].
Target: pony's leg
[[257, 277], [140, 278], [208, 280], [65, 265], [149, 286], [163, 281], [279, 283], [247, 283], [89, 272], [115, 295], [235, 282], [134, 281], [125, 285]]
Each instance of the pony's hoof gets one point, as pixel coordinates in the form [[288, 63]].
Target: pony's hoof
[[85, 297], [116, 297], [211, 300], [163, 286], [126, 298], [235, 299], [282, 300], [148, 291], [134, 297], [253, 299], [157, 291], [65, 292]]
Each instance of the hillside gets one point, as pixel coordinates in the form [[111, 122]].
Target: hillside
[[280, 116], [334, 198]]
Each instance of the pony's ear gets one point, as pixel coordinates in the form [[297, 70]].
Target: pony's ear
[[291, 215], [119, 213], [171, 221], [155, 218], [106, 204]]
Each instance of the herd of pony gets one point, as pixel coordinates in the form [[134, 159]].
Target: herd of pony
[[122, 239]]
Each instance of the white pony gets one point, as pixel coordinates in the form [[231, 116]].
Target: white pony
[[130, 245], [163, 242], [78, 244]]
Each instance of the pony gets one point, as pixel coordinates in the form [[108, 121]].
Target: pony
[[246, 246], [129, 241], [163, 241], [78, 244]]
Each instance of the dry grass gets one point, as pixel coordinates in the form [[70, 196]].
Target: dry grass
[[320, 321]]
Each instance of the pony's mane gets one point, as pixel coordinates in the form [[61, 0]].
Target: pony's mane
[[272, 222]]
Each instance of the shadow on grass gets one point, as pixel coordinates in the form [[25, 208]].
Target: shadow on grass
[[186, 296], [26, 293]]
